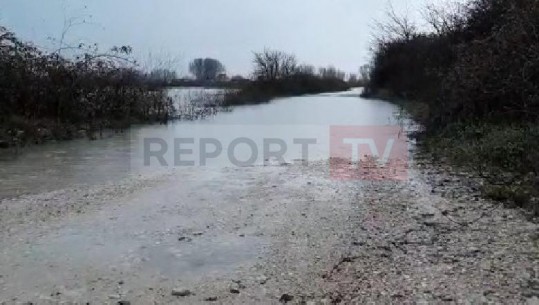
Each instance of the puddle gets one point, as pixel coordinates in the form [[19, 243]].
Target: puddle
[[203, 256]]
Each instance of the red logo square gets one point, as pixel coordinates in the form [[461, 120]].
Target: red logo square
[[368, 153]]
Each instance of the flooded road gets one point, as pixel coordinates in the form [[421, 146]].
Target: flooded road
[[96, 208], [55, 166], [92, 226]]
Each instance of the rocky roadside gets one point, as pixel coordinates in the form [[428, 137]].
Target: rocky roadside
[[434, 240]]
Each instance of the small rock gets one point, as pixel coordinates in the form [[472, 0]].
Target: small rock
[[285, 298], [473, 250], [181, 292], [446, 298], [124, 303], [234, 290], [430, 223], [262, 280], [533, 283], [210, 299], [486, 265], [184, 238], [198, 233], [240, 285]]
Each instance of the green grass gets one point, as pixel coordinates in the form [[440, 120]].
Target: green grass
[[506, 155]]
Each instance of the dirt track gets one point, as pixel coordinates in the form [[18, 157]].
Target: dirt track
[[267, 235]]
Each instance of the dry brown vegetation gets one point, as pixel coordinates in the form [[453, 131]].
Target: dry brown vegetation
[[46, 96]]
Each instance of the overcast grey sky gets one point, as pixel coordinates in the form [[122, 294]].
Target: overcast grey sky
[[319, 32]]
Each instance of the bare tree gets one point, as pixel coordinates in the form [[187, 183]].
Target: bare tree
[[444, 18], [396, 26], [161, 60], [306, 70], [72, 20], [331, 73], [162, 75], [196, 67], [365, 73], [213, 68], [206, 68], [272, 65]]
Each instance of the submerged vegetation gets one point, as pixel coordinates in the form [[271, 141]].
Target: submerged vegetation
[[278, 74], [475, 78], [47, 96]]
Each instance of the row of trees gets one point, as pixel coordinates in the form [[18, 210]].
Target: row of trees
[[270, 65], [273, 65], [278, 73], [46, 95], [481, 60], [473, 81]]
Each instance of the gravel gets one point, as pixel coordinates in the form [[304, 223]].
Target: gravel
[[310, 240]]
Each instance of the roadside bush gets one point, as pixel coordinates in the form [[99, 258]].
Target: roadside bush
[[499, 148], [46, 96], [477, 76], [485, 65]]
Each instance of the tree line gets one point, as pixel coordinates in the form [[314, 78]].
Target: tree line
[[277, 73], [473, 82], [47, 96], [481, 59]]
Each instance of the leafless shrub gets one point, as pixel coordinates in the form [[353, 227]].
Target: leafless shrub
[[395, 26], [272, 65], [95, 90]]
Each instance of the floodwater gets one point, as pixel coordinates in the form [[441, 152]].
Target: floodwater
[[202, 224], [246, 234], [55, 166]]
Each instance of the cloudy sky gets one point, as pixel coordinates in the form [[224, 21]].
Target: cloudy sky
[[319, 32]]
